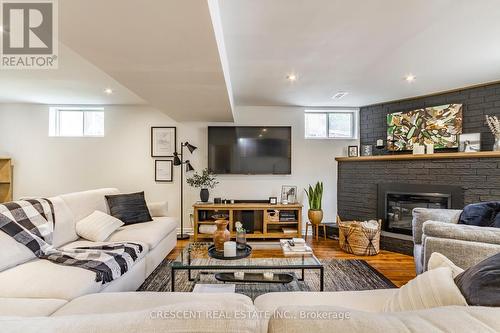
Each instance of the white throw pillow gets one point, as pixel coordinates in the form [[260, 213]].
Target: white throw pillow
[[158, 209], [430, 289], [97, 226], [438, 260]]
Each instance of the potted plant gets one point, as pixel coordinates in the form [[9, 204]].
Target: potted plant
[[204, 181], [314, 196]]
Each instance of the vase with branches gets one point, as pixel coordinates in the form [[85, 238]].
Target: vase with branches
[[204, 181], [494, 125]]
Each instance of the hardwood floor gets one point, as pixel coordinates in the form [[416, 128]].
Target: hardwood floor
[[399, 268]]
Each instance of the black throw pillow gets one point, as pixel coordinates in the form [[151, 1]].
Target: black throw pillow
[[480, 284], [483, 214], [129, 208]]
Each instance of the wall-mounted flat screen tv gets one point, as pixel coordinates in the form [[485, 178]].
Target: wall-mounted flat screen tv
[[254, 150], [437, 125]]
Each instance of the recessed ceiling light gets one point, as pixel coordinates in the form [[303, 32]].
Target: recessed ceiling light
[[340, 95], [108, 91], [410, 78], [291, 77]]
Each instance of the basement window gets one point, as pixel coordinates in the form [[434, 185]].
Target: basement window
[[76, 122], [330, 124]]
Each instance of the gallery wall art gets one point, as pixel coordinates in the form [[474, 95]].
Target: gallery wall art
[[437, 125]]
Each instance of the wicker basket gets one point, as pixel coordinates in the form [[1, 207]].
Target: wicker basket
[[356, 238]]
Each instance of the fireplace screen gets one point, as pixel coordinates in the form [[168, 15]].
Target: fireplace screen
[[399, 208]]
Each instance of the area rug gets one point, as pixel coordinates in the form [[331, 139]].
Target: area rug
[[340, 275]]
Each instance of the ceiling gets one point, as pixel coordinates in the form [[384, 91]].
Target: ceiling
[[195, 59], [362, 47], [77, 81], [161, 53]]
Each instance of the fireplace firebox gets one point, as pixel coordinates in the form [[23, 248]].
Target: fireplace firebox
[[397, 201]]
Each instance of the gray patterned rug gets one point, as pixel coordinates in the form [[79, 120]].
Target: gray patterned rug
[[339, 275]]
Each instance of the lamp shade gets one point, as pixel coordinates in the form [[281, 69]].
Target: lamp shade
[[189, 167], [177, 160], [190, 147]]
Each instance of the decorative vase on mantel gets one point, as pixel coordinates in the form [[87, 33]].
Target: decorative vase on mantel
[[496, 145], [221, 235], [204, 194]]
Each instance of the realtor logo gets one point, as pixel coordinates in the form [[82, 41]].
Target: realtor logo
[[29, 34]]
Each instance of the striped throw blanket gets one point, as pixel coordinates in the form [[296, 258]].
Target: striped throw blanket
[[31, 223]]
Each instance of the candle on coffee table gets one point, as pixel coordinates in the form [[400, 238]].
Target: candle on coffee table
[[230, 249]]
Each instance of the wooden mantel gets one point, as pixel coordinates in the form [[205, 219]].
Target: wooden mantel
[[396, 157]]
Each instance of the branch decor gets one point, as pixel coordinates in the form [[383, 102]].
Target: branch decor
[[206, 180], [494, 125]]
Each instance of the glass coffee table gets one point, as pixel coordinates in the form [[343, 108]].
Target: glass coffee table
[[264, 258]]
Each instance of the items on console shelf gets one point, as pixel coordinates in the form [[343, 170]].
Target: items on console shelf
[[289, 230], [208, 229], [287, 216], [273, 215]]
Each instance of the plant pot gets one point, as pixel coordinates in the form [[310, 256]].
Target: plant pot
[[204, 195], [221, 235], [315, 216]]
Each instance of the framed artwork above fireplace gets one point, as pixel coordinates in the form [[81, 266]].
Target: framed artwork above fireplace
[[437, 125]]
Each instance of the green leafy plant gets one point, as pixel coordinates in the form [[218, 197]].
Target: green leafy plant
[[206, 180], [315, 196]]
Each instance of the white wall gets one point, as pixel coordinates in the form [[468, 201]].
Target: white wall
[[312, 159], [47, 166]]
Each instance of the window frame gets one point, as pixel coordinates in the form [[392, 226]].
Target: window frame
[[54, 121], [354, 123]]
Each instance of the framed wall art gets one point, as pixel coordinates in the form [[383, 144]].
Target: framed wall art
[[163, 141], [438, 125], [164, 171]]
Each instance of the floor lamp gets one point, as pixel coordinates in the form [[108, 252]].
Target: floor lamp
[[179, 161]]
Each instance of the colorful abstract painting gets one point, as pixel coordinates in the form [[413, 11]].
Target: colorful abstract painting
[[438, 125]]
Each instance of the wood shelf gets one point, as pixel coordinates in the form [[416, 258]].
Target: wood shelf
[[5, 179], [263, 226], [256, 235], [435, 156], [245, 206]]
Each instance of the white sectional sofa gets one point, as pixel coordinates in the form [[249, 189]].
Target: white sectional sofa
[[273, 312], [39, 296], [38, 287]]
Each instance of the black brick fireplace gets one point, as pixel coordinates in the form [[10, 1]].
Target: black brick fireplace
[[358, 180]]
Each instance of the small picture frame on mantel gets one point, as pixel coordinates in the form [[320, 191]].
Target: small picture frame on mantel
[[352, 151]]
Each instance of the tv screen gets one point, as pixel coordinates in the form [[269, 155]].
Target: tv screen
[[250, 150]]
